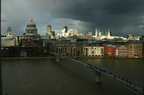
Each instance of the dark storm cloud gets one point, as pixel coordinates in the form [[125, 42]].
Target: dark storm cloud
[[117, 7], [104, 13], [123, 17]]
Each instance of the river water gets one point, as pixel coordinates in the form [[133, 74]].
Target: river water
[[41, 76]]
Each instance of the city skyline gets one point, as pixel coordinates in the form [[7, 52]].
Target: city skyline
[[123, 17]]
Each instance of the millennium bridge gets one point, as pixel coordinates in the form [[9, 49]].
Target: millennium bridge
[[138, 88]]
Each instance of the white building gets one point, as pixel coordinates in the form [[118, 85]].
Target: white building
[[100, 36], [131, 37], [7, 42], [48, 32], [93, 51], [70, 33]]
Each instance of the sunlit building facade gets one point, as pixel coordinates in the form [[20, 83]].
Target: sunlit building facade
[[93, 51]]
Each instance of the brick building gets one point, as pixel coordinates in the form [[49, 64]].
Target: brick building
[[136, 50], [70, 49], [122, 51], [109, 50]]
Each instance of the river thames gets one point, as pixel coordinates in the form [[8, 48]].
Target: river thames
[[43, 76]]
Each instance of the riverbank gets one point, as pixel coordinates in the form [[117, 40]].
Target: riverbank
[[51, 57], [108, 58]]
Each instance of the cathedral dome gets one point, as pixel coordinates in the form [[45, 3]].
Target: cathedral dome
[[31, 28], [31, 23]]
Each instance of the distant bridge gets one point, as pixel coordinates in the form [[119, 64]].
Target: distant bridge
[[99, 71]]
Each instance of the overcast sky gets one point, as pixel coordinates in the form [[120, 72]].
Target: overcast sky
[[123, 17]]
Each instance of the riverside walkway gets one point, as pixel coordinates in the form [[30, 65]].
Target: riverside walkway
[[102, 71]]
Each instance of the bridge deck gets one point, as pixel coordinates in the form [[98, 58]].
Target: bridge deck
[[123, 80]]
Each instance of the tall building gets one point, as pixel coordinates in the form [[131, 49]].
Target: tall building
[[97, 31], [31, 28], [109, 33], [66, 28], [64, 32], [49, 30]]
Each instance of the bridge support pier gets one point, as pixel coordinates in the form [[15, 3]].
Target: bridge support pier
[[57, 59], [98, 76]]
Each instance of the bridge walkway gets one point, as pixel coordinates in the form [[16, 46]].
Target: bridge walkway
[[138, 88]]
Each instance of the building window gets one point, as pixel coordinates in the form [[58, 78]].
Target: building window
[[93, 52]]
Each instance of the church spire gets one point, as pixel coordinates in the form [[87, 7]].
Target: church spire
[[9, 29], [9, 32], [31, 19]]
